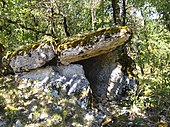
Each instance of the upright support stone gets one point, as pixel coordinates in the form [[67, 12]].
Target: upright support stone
[[107, 78]]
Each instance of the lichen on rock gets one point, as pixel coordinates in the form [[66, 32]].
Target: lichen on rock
[[92, 44], [69, 50], [32, 56]]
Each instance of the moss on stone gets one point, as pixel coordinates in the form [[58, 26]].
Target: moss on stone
[[78, 40], [5, 67], [86, 39], [46, 40]]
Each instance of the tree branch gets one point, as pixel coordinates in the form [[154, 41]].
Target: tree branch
[[25, 27]]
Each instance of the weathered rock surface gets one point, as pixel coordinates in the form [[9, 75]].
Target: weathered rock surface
[[65, 88], [106, 77], [63, 81], [69, 50], [93, 44], [120, 84], [32, 56]]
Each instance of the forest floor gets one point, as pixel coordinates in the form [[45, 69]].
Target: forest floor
[[15, 108]]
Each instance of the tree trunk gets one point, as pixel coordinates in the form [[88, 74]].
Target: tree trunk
[[93, 14], [52, 23], [102, 8], [65, 26], [123, 12], [53, 32], [114, 11]]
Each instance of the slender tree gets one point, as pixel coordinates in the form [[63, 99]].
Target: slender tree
[[64, 23], [93, 14], [123, 12], [53, 32], [114, 11]]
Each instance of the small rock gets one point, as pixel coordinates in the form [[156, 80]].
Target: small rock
[[130, 123], [89, 117], [34, 108], [30, 117], [43, 116], [57, 108], [18, 123], [54, 93], [2, 123]]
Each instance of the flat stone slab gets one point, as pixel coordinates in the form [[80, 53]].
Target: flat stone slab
[[69, 50], [92, 44], [32, 56]]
